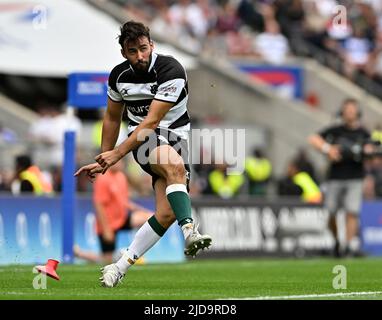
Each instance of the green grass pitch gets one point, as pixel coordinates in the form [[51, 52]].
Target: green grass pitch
[[205, 279]]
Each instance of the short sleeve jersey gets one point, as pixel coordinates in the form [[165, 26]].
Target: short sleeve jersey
[[342, 135], [165, 80]]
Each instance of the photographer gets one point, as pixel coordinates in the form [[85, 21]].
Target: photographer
[[346, 145]]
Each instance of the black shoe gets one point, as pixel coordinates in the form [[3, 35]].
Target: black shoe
[[348, 253], [354, 253], [359, 254], [337, 250]]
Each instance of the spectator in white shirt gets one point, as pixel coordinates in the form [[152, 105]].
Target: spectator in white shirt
[[48, 135], [271, 45], [189, 17], [357, 51]]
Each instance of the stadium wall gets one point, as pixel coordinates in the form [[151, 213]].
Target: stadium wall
[[16, 116], [284, 227], [332, 88], [31, 229]]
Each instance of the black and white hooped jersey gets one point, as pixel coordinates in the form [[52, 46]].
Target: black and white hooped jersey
[[165, 80]]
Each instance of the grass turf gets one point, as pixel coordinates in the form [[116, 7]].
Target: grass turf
[[201, 279]]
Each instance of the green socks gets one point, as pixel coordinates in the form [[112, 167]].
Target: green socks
[[180, 203], [156, 226]]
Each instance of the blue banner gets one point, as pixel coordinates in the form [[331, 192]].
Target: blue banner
[[287, 80], [371, 227], [87, 90], [168, 249], [31, 231]]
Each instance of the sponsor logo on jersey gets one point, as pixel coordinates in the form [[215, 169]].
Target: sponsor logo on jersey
[[168, 89], [154, 88], [139, 110], [124, 92]]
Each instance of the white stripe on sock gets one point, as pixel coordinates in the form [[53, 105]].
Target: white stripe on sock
[[176, 187]]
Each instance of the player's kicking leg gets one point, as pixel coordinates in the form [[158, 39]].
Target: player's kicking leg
[[149, 234], [172, 202], [169, 165], [146, 237]]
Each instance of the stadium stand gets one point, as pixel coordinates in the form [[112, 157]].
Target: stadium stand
[[233, 27]]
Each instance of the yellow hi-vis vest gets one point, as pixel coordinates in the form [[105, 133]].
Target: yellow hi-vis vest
[[225, 186], [34, 181], [376, 135], [46, 186], [310, 191], [258, 169], [97, 133]]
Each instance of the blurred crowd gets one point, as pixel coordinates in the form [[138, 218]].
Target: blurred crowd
[[272, 30], [39, 169]]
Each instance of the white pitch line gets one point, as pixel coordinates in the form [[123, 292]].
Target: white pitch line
[[307, 296], [45, 293]]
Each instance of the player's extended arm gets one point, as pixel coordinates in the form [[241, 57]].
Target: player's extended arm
[[317, 142], [111, 125], [110, 131], [332, 151], [157, 111]]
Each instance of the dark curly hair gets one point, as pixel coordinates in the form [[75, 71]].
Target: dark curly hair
[[132, 31]]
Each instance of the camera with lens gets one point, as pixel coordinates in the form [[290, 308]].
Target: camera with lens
[[354, 151]]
